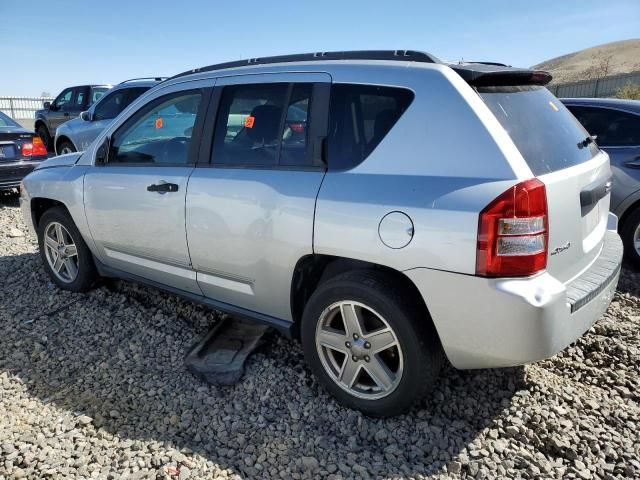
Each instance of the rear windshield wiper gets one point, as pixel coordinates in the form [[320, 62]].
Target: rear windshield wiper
[[587, 141]]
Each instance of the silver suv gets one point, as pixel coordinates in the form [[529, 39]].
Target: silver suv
[[77, 134], [383, 207]]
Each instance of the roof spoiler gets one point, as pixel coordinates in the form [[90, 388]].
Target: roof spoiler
[[496, 75]]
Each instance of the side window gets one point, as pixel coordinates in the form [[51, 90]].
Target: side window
[[158, 133], [115, 102], [296, 127], [96, 94], [64, 98], [613, 128], [80, 98], [263, 125], [359, 118]]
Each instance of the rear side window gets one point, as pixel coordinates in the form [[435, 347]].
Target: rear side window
[[115, 102], [96, 94], [547, 135], [263, 125], [613, 128], [360, 116], [80, 98]]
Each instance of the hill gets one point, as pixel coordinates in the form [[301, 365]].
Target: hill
[[595, 62]]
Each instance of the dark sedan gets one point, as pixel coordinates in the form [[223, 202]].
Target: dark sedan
[[20, 151], [615, 124]]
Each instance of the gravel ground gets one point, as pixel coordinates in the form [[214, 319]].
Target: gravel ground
[[94, 386]]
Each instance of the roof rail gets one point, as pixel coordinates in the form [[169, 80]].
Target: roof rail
[[157, 79], [398, 55], [495, 64]]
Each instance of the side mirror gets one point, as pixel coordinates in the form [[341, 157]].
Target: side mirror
[[47, 105], [102, 153], [86, 116]]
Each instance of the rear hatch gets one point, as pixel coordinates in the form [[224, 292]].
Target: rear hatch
[[561, 154]]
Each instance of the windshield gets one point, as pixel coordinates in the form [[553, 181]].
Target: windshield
[[546, 133], [5, 121]]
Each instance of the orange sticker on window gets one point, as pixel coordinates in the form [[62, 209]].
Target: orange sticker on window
[[159, 123], [248, 122]]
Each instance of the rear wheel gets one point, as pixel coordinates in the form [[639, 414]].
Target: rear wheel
[[368, 346], [630, 233], [65, 147], [65, 255], [43, 133]]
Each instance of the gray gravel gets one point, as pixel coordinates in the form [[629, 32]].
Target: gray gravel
[[94, 386]]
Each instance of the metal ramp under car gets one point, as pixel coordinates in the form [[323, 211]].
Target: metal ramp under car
[[220, 356]]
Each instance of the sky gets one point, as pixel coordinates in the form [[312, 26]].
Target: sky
[[48, 45]]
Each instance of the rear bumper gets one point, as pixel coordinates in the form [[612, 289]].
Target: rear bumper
[[486, 323]]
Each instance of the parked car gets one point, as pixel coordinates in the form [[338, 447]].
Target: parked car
[[76, 135], [423, 208], [20, 151], [615, 124], [66, 106]]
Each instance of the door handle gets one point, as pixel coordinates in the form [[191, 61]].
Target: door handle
[[635, 163], [66, 114], [162, 187]]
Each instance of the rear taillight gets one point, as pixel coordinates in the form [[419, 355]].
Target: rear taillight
[[513, 232], [297, 127], [34, 149]]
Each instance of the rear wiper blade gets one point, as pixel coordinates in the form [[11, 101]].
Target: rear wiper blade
[[585, 143]]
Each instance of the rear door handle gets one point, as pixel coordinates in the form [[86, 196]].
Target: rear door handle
[[635, 163], [163, 187]]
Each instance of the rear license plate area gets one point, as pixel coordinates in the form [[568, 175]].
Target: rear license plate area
[[7, 152]]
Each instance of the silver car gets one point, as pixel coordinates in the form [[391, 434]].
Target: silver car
[[416, 210], [77, 134]]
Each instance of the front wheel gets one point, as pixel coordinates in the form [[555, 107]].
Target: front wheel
[[630, 233], [65, 255], [369, 347], [43, 133], [66, 147]]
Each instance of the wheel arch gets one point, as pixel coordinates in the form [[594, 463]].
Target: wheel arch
[[39, 205], [60, 139], [635, 205], [314, 269], [41, 122]]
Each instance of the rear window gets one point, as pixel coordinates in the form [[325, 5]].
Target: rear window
[[360, 117], [6, 121], [547, 135], [614, 128]]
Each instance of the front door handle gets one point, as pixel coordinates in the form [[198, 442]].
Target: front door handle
[[162, 187], [66, 114]]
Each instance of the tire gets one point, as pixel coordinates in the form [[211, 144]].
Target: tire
[[630, 233], [414, 362], [65, 147], [44, 135], [85, 275]]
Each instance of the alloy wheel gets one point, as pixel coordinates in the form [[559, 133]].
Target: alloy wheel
[[359, 350], [61, 252]]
